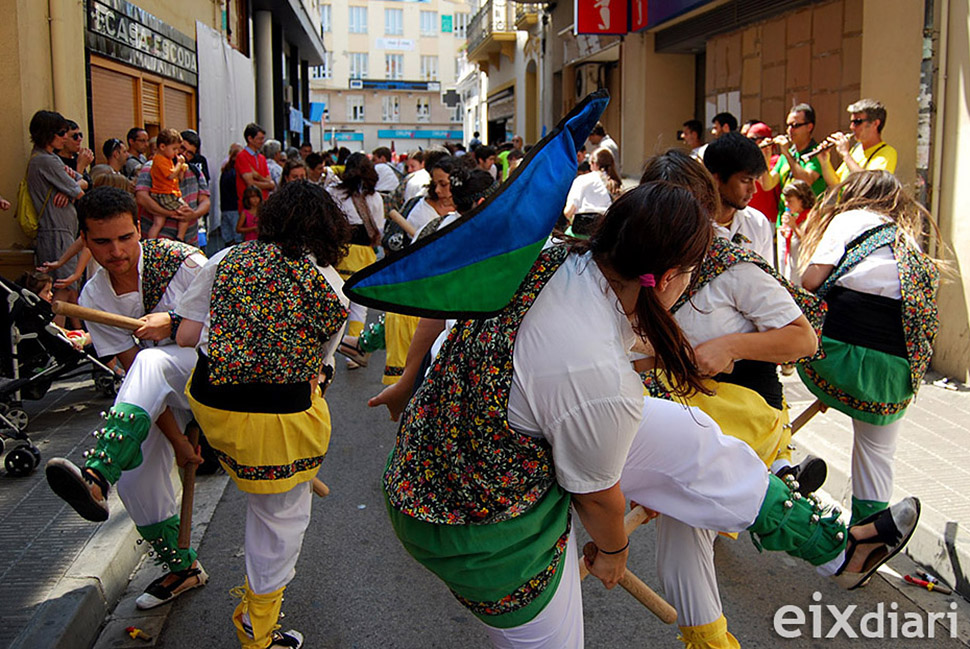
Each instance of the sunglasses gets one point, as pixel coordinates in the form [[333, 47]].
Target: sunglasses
[[857, 121], [77, 137], [62, 132], [794, 126]]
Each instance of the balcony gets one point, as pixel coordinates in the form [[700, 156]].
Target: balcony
[[526, 15], [491, 33]]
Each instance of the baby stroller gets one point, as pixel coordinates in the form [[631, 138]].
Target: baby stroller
[[32, 357]]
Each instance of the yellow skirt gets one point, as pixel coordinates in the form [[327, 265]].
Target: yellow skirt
[[358, 257], [266, 452], [398, 332]]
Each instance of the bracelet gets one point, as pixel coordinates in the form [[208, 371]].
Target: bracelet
[[176, 321], [618, 551]]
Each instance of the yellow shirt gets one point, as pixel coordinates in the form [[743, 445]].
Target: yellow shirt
[[878, 156]]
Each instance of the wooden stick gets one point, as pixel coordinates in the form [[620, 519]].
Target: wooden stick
[[807, 415], [188, 491], [93, 315], [319, 488]]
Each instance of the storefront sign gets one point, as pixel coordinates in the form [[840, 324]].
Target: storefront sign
[[399, 134], [600, 17], [126, 33], [349, 137]]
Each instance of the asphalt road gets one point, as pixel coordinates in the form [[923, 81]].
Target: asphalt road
[[356, 587]]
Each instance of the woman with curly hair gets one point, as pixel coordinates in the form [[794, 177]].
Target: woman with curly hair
[[274, 309], [363, 208]]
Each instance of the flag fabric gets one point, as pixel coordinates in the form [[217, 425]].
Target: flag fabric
[[472, 267]]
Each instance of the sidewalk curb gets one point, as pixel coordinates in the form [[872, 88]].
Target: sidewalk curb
[[936, 545], [72, 615]]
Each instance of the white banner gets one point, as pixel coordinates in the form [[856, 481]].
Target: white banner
[[405, 44]]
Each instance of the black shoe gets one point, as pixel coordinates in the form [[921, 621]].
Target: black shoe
[[156, 594], [291, 639], [807, 476], [73, 486], [894, 527]]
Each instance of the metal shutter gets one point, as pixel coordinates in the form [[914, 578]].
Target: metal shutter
[[114, 99]]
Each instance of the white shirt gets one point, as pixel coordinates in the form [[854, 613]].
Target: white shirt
[[417, 184], [588, 193], [742, 299], [387, 180], [419, 216], [754, 225], [606, 143], [195, 302], [98, 293], [877, 274], [572, 382], [374, 203]]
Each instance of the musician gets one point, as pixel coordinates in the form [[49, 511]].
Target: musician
[[800, 128], [867, 119]]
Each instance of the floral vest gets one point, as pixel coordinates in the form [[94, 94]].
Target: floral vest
[[919, 281], [456, 460], [161, 260], [271, 317]]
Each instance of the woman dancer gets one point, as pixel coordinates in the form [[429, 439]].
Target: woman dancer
[[863, 257], [274, 309]]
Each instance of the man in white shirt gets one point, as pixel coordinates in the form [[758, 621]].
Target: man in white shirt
[[736, 164], [142, 434], [387, 177], [598, 138]]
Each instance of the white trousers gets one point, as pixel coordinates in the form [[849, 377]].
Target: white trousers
[[357, 313], [685, 565], [155, 380], [873, 450], [275, 526]]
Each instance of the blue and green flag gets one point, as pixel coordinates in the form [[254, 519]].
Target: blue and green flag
[[472, 267]]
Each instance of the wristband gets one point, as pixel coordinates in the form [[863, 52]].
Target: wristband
[[617, 551], [177, 320]]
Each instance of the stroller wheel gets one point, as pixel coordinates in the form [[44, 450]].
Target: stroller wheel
[[18, 417], [107, 385], [20, 462], [35, 452]]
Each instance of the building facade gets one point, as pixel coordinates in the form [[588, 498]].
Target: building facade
[[390, 74]]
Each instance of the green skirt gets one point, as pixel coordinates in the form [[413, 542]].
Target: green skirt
[[505, 573], [866, 384]]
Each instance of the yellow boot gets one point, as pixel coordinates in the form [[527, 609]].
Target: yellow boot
[[263, 610], [709, 636]]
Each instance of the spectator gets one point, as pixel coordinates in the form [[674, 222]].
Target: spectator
[[747, 126], [251, 168], [693, 137], [387, 176], [195, 194], [168, 170], [191, 149], [416, 182], [792, 165], [515, 158], [152, 145], [115, 155], [76, 157], [293, 170], [867, 119], [292, 153], [599, 138], [275, 159], [228, 199], [485, 157], [305, 150], [137, 147], [475, 142], [736, 164], [765, 200], [53, 191], [248, 224], [723, 123]]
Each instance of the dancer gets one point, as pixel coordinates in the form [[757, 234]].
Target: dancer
[[143, 431], [498, 443], [274, 309], [863, 257]]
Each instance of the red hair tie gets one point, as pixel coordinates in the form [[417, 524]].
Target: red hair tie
[[648, 280]]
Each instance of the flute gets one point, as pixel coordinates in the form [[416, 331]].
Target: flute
[[824, 146]]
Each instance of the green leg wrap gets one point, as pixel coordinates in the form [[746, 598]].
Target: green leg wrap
[[864, 508], [119, 442], [372, 337], [164, 538], [797, 525]]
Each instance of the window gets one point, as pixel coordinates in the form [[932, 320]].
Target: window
[[324, 71], [429, 23], [324, 19], [424, 109], [429, 68], [393, 66], [455, 114], [393, 21], [358, 65], [358, 20], [461, 25], [391, 108], [355, 108]]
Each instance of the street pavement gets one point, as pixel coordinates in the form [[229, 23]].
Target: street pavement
[[356, 587]]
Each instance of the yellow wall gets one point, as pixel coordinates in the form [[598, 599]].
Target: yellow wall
[[952, 352]]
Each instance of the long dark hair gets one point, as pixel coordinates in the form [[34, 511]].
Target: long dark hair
[[301, 217], [359, 176], [651, 229]]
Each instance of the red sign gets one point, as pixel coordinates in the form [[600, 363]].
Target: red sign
[[638, 15], [602, 16]]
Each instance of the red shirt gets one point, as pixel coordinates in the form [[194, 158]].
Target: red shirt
[[245, 163]]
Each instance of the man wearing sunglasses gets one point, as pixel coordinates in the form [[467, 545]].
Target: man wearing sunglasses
[[867, 119], [76, 157], [800, 127]]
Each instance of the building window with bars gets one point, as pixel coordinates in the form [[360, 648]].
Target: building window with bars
[[358, 65], [355, 108], [461, 25], [424, 110], [429, 23], [394, 66], [429, 68], [391, 108], [357, 20], [325, 17], [324, 71], [394, 22]]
